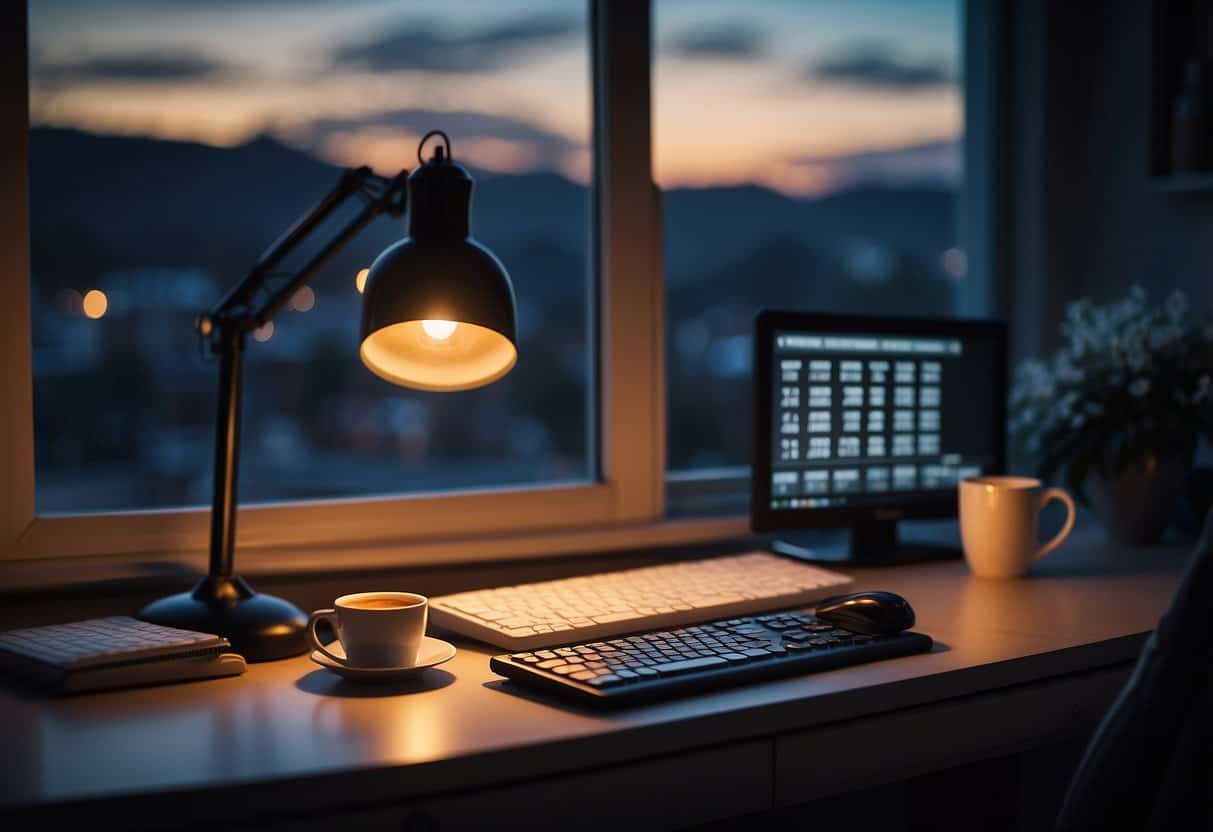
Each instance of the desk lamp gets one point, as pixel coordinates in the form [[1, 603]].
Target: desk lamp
[[438, 313]]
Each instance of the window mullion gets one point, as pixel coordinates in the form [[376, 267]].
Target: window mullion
[[630, 262]]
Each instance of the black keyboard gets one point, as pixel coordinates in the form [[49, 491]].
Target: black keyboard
[[667, 663]]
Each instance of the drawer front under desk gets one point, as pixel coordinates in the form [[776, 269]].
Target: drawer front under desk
[[663, 793], [894, 747]]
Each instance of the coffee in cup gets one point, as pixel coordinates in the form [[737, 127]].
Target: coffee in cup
[[999, 521], [377, 629]]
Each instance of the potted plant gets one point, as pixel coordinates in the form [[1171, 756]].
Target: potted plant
[[1120, 408]]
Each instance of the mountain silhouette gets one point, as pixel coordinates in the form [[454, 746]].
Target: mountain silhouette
[[140, 202]]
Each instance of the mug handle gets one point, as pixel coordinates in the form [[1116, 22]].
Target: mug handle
[[315, 618], [1047, 496]]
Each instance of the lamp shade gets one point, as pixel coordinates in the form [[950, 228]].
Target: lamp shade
[[438, 309]]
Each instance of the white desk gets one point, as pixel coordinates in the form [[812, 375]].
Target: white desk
[[1018, 664]]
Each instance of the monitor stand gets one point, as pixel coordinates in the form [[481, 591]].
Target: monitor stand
[[872, 543]]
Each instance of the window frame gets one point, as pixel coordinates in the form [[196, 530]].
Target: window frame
[[623, 506], [627, 353]]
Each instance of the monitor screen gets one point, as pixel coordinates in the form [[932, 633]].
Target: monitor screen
[[871, 413]]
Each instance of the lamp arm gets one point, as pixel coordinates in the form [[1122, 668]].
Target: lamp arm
[[239, 309], [226, 326]]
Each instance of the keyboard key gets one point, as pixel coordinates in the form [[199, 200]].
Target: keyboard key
[[613, 618], [673, 668], [605, 681]]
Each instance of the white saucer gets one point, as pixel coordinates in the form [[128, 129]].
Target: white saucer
[[434, 651]]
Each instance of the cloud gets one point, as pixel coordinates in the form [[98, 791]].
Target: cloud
[[422, 46], [935, 162], [459, 125], [388, 141], [875, 66], [150, 67], [721, 40]]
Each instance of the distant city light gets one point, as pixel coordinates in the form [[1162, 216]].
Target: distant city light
[[360, 280], [95, 303], [264, 333], [439, 330], [303, 300], [954, 263]]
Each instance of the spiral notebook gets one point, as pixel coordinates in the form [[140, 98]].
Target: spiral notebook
[[114, 652]]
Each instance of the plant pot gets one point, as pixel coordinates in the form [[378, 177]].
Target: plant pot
[[1137, 506]]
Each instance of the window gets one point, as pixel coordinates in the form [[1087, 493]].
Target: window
[[171, 143], [809, 155]]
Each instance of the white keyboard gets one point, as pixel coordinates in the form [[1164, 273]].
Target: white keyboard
[[548, 613]]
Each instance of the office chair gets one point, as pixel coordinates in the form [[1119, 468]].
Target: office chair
[[1150, 764]]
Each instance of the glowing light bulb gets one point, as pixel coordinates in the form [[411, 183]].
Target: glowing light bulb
[[95, 303], [360, 280], [439, 330]]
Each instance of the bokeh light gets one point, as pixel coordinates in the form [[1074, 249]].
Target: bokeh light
[[95, 303], [303, 300]]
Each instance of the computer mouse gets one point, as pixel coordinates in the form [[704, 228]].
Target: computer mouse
[[874, 613]]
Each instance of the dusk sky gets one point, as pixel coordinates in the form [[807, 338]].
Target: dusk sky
[[800, 95]]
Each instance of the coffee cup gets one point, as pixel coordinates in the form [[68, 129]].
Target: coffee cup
[[377, 629], [999, 521]]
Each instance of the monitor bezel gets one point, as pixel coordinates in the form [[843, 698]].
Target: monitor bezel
[[936, 504]]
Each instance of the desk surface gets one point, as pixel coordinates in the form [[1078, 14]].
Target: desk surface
[[460, 727]]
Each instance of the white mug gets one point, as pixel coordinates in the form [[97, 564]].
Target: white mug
[[999, 520], [377, 629]]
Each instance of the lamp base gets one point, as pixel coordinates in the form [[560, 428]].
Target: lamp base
[[260, 627]]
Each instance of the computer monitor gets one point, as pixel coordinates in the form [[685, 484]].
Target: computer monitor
[[860, 422]]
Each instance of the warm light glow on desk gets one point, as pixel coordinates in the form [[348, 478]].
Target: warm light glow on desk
[[95, 303]]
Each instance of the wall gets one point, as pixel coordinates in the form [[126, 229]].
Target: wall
[[1087, 217]]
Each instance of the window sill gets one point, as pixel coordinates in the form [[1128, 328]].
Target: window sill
[[63, 573]]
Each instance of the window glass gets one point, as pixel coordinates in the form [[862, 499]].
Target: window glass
[[809, 155], [172, 142]]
